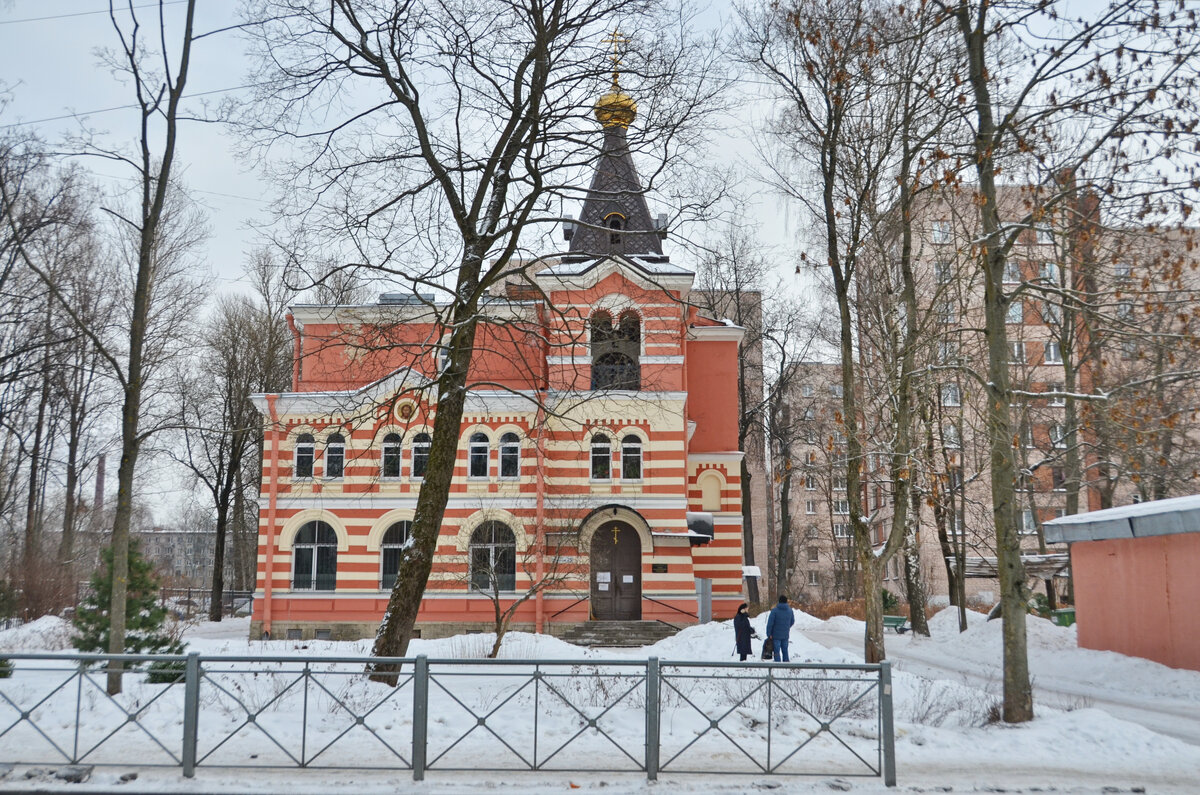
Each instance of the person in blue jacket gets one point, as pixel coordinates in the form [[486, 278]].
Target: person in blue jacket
[[779, 628]]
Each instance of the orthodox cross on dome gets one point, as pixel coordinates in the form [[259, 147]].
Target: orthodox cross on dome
[[617, 40]]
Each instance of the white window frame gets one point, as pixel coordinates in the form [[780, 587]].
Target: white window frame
[[806, 390], [1052, 352], [384, 448], [1016, 352], [810, 507], [1012, 272], [474, 446], [840, 507], [510, 446], [1055, 400], [632, 450], [599, 448], [939, 231], [951, 395], [423, 447], [332, 447], [306, 446], [1015, 313]]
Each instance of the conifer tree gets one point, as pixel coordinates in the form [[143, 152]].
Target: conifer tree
[[144, 616]]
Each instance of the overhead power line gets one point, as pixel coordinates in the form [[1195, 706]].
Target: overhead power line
[[84, 13]]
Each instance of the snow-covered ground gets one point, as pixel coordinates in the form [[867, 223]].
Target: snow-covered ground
[[1090, 735]]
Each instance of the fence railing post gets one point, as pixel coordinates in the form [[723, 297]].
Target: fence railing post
[[420, 723], [885, 718], [653, 680], [191, 712]]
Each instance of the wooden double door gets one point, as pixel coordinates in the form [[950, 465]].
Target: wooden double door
[[616, 557]]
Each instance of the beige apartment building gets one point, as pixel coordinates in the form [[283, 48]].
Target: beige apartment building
[[1096, 309]]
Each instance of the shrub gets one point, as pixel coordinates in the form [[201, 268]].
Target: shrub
[[166, 672], [6, 667], [891, 602], [144, 616]]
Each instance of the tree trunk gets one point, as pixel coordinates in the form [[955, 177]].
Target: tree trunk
[[218, 575], [752, 594], [785, 555], [416, 562], [914, 583], [1018, 693]]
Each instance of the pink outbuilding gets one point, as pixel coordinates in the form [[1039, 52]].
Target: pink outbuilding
[[1136, 572]]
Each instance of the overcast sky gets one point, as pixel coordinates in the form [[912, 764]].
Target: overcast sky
[[50, 64], [56, 85]]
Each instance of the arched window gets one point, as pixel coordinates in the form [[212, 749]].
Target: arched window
[[477, 456], [629, 327], [615, 352], [395, 541], [631, 458], [601, 457], [601, 327], [420, 454], [390, 463], [335, 456], [305, 445], [510, 456], [493, 553], [314, 558], [615, 223]]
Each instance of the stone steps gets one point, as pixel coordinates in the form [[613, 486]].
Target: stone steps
[[628, 634]]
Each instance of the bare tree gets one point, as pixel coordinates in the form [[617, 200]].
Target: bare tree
[[221, 427], [154, 247], [824, 61], [1057, 101]]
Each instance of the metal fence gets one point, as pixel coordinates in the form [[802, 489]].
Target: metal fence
[[642, 716]]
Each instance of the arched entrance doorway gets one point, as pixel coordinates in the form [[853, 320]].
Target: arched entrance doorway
[[616, 557]]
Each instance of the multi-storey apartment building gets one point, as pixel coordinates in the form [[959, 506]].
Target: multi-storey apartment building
[[597, 465], [1099, 326]]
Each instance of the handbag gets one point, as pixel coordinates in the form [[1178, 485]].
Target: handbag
[[768, 651]]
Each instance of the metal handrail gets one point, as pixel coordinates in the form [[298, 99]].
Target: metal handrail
[[568, 607], [673, 607]]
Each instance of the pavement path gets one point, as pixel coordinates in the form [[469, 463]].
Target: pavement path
[[1171, 718]]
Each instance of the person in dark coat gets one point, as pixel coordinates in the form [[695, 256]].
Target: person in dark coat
[[779, 628], [742, 631]]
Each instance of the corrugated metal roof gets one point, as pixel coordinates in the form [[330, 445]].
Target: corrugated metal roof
[[1143, 520]]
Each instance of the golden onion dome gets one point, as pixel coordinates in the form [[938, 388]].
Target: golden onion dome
[[616, 108]]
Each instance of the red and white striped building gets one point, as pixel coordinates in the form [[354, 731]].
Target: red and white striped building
[[597, 462]]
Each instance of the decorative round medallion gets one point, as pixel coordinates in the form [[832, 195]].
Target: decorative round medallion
[[405, 410]]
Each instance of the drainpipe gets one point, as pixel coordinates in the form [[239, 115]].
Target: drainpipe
[[540, 613], [291, 321], [268, 579]]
